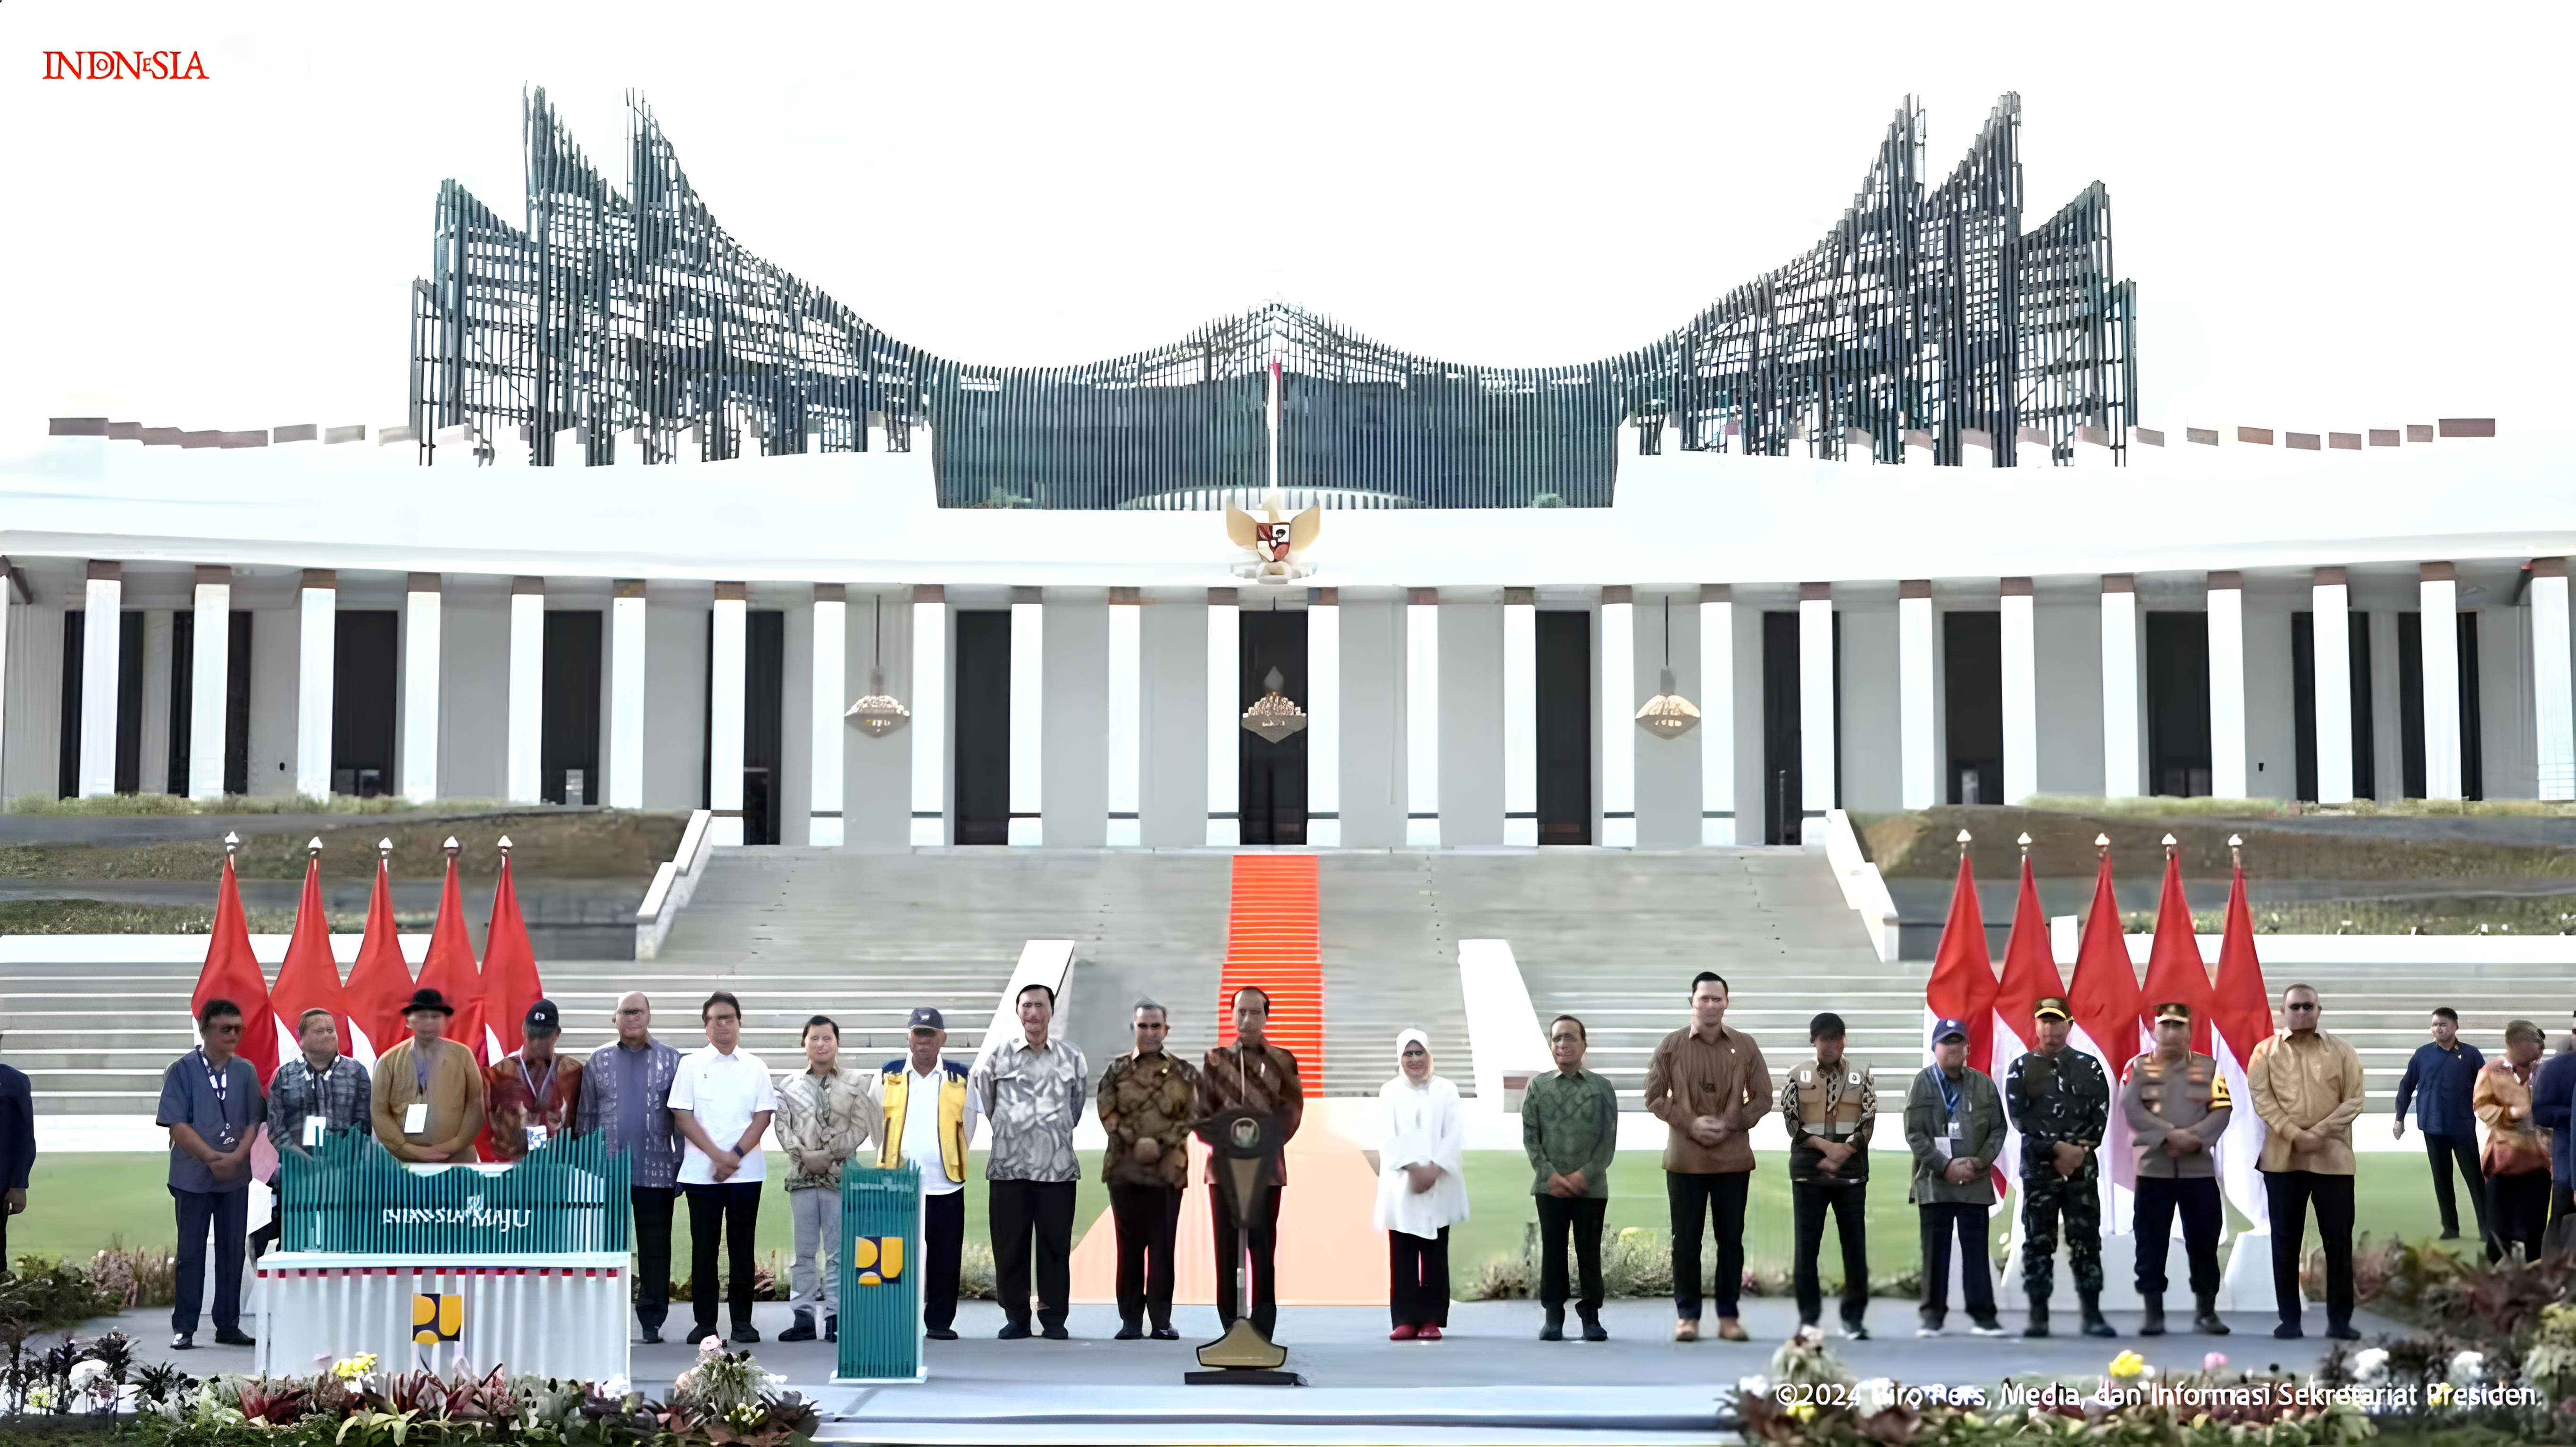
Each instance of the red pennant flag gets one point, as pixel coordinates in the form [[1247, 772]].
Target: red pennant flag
[[449, 968], [2175, 971], [232, 973], [2104, 996], [1963, 986], [510, 981], [2030, 972], [2241, 1012], [380, 982], [310, 978]]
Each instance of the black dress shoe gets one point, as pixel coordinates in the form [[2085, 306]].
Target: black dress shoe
[[652, 1336], [831, 1328], [803, 1330], [1058, 1333], [1165, 1333], [1593, 1330], [1128, 1331], [2340, 1331], [1012, 1331], [746, 1333], [233, 1336], [940, 1333], [185, 1341]]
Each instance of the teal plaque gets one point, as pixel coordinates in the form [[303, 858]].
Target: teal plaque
[[351, 1195], [881, 1275]]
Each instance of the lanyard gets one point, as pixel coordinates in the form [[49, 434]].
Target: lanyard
[[219, 1081], [541, 1092], [1949, 1097]]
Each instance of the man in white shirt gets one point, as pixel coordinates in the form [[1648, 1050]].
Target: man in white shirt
[[721, 1101], [930, 1119]]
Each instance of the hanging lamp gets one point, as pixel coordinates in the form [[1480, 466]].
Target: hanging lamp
[[1274, 716], [880, 713], [1668, 715]]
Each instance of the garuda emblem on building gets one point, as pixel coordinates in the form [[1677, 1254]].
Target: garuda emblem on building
[[1276, 545]]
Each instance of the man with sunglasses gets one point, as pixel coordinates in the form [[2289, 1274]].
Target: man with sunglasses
[[2306, 1086], [211, 1103]]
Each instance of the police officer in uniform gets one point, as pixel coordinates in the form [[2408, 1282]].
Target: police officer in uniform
[[2176, 1103], [1829, 1105], [2060, 1102]]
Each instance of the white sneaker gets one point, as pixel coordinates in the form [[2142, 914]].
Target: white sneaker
[[1998, 1329], [1927, 1331]]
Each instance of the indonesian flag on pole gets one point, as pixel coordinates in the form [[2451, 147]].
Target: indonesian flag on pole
[[380, 982], [2030, 975], [1962, 986], [310, 978], [2104, 997], [2175, 973], [2241, 1009], [232, 973], [510, 982], [449, 967]]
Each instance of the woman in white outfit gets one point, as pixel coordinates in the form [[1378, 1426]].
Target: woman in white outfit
[[1421, 1188]]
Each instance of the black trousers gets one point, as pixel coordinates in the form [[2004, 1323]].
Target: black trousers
[[1264, 1244], [1716, 1198], [2159, 1197], [1580, 1216], [2288, 1193], [1147, 1218], [653, 1253], [2460, 1152], [1942, 1220], [227, 1215], [1022, 1213], [1849, 1203], [1417, 1286], [2519, 1209], [731, 1210], [944, 1224]]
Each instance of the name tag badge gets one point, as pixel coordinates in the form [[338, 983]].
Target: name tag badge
[[1955, 1132], [416, 1117], [536, 1137], [312, 1131]]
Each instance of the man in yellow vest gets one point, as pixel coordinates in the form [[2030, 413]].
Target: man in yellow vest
[[930, 1121]]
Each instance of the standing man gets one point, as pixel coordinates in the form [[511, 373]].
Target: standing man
[[1709, 1085], [317, 1092], [1829, 1106], [1145, 1099], [17, 1149], [535, 1095], [2060, 1101], [825, 1114], [930, 1120], [2306, 1086], [2445, 1069], [2517, 1158], [2553, 1109], [1570, 1128], [1954, 1123], [2176, 1103], [721, 1102], [1032, 1091], [211, 1103], [427, 1098], [1258, 1076], [629, 1098]]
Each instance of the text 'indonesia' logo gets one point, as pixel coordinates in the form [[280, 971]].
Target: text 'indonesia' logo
[[124, 65]]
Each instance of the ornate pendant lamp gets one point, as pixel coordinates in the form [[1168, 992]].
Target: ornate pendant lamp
[[1668, 715], [1274, 716], [879, 713]]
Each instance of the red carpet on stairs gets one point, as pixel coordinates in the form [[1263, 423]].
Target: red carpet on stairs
[[1271, 940]]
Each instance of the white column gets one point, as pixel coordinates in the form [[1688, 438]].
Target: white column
[[420, 688], [831, 694], [1918, 768], [1224, 719], [316, 660], [2330, 637], [1716, 716], [1816, 759], [1126, 719], [2553, 680], [626, 617], [1619, 703], [1324, 721], [210, 683], [101, 637], [2121, 762], [2021, 692], [1028, 723], [2227, 770], [2440, 594], [526, 738], [1422, 719], [1520, 722], [725, 693], [152, 721], [929, 717]]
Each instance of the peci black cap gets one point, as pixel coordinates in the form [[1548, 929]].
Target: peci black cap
[[925, 1017], [542, 1020]]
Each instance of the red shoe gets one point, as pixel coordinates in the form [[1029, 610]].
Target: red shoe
[[1428, 1333], [1402, 1333]]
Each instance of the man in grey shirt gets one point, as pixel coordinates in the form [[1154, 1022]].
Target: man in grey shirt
[[626, 1091], [1032, 1090]]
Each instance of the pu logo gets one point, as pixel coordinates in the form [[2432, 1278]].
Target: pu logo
[[436, 1318], [877, 1259]]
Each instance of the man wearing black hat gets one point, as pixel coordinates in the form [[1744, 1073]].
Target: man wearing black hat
[[930, 1120], [1954, 1123], [535, 1095], [2060, 1101], [427, 1098], [2176, 1102]]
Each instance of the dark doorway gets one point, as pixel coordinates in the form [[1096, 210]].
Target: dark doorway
[[1271, 783], [568, 693], [2473, 763], [2178, 704], [1564, 648], [183, 692], [1781, 773], [129, 703], [2365, 723], [1972, 671], [237, 703], [982, 701], [2410, 704], [2303, 702], [764, 681], [67, 756], [362, 701]]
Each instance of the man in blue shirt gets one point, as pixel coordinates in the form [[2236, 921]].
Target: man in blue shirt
[[17, 1148], [210, 1100], [2446, 1070], [2553, 1109]]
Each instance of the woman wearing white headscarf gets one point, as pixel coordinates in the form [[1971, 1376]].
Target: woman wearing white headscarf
[[1421, 1187]]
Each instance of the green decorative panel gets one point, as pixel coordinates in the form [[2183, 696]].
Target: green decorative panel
[[880, 1266], [350, 1195]]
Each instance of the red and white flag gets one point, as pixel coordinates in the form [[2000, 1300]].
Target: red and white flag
[[448, 968], [2241, 1011], [2175, 971], [510, 981], [1963, 985], [2030, 975], [310, 978], [380, 981], [2104, 998], [232, 972]]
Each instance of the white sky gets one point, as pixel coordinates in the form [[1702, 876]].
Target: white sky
[[2336, 217]]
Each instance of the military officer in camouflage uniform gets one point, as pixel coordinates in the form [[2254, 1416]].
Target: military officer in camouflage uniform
[[1145, 1107], [2060, 1102]]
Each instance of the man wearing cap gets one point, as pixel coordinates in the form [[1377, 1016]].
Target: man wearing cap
[[1032, 1089], [535, 1095], [1829, 1106], [427, 1096], [2060, 1101], [2517, 1157], [2445, 1070], [2307, 1087], [2553, 1109], [1145, 1098], [1954, 1123], [2176, 1103], [930, 1119], [626, 1096]]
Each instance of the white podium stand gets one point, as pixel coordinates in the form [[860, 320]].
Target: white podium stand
[[549, 1314]]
